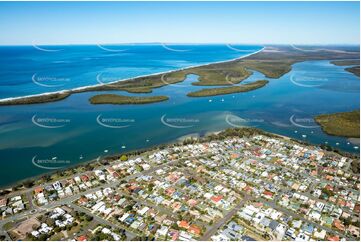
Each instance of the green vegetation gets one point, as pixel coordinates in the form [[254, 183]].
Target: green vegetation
[[9, 225], [228, 90], [99, 236], [346, 62], [354, 70], [37, 99], [228, 73], [355, 63], [355, 166], [345, 124], [271, 69], [119, 99], [273, 62], [123, 157], [139, 90]]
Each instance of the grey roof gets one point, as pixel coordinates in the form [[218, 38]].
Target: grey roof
[[273, 225], [265, 222]]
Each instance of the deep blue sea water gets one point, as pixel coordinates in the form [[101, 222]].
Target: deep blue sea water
[[80, 131], [26, 70]]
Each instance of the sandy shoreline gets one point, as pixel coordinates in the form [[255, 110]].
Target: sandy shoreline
[[84, 88], [355, 141]]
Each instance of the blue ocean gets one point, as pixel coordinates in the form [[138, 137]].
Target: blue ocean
[[73, 131], [28, 70]]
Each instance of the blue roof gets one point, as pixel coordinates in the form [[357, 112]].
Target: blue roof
[[247, 238]]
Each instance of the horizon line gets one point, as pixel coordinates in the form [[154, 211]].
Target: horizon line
[[187, 43]]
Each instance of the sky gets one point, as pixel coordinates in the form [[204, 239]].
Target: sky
[[23, 23]]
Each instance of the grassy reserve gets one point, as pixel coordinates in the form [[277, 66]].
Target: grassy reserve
[[346, 124], [228, 90], [119, 99]]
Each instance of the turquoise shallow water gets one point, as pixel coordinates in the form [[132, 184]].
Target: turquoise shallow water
[[84, 131]]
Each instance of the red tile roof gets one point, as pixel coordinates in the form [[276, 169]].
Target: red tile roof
[[337, 223], [216, 199], [82, 238], [183, 224], [268, 193], [84, 178], [38, 190], [194, 229], [333, 238]]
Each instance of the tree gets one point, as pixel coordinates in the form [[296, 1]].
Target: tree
[[46, 178], [43, 237], [128, 208], [28, 183], [35, 226], [327, 192], [124, 158]]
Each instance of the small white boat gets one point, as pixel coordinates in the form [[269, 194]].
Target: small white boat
[[304, 136], [105, 151]]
